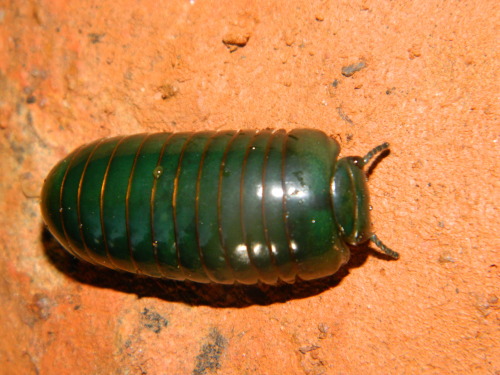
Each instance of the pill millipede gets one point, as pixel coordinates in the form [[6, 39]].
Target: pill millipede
[[242, 206]]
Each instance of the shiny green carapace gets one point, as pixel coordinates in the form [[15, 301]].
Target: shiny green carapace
[[222, 207]]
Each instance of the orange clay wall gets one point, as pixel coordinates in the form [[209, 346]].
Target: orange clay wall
[[427, 82]]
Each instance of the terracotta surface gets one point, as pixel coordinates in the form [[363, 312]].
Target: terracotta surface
[[70, 73]]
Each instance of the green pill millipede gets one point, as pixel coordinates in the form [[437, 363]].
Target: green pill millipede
[[222, 207]]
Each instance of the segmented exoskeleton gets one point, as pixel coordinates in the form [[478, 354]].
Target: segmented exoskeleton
[[221, 207]]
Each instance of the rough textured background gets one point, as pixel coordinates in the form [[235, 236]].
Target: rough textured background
[[71, 72]]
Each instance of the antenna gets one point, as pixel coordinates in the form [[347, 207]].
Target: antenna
[[375, 151], [384, 248]]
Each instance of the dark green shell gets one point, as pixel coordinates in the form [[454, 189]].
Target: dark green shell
[[219, 207]]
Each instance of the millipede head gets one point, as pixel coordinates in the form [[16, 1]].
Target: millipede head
[[351, 200]]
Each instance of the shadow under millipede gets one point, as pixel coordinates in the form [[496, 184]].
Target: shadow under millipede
[[191, 293]]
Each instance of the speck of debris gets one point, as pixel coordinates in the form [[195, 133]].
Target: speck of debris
[[414, 52], [39, 309], [335, 83], [492, 299], [390, 91], [323, 331], [31, 99], [38, 73], [168, 90], [343, 115], [30, 185], [95, 37], [445, 257], [235, 40], [153, 321], [210, 353], [128, 75], [308, 348], [349, 70], [289, 39]]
